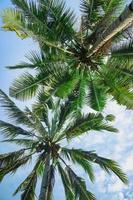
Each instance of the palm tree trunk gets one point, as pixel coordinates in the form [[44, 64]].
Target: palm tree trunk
[[121, 23], [44, 184]]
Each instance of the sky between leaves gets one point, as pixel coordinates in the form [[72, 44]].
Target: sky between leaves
[[118, 147]]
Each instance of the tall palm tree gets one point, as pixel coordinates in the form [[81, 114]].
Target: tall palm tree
[[91, 60], [40, 137]]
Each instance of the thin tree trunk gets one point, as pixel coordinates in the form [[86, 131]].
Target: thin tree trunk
[[121, 23], [44, 184]]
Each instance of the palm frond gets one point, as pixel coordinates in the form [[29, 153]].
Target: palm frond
[[13, 111], [110, 117], [12, 20], [79, 186], [35, 61], [66, 183], [119, 86], [29, 143], [107, 164], [79, 159], [25, 86], [93, 12], [13, 166], [48, 17], [29, 184], [110, 165], [115, 6], [78, 96], [43, 60], [41, 106], [67, 87], [86, 123], [96, 97], [38, 125], [124, 97], [122, 55], [51, 181], [11, 131], [7, 158]]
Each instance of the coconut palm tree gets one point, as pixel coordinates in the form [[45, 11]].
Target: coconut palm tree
[[39, 136], [91, 60]]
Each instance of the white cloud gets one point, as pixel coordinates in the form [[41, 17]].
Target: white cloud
[[116, 187], [128, 165]]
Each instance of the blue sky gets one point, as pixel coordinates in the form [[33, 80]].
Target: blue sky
[[118, 147]]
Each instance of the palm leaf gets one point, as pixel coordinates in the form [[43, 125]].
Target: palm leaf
[[66, 183], [13, 111], [38, 125], [106, 164], [78, 96], [51, 181], [93, 11], [48, 17], [12, 20], [29, 184], [13, 167], [12, 131], [25, 86], [29, 143], [110, 165], [7, 158], [79, 186], [119, 86], [86, 123], [66, 88], [96, 97], [110, 117], [78, 158]]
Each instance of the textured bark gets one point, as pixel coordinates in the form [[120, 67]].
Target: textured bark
[[121, 23], [44, 184]]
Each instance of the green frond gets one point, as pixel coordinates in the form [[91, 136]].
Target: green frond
[[29, 184], [12, 20], [13, 166], [106, 164], [119, 86], [9, 158], [92, 11], [79, 186], [110, 117], [115, 7], [79, 159], [123, 97], [78, 96], [86, 123], [67, 87], [37, 124], [35, 61], [69, 193], [122, 55], [29, 143], [55, 81], [48, 16], [13, 111], [96, 96], [64, 113], [25, 86], [11, 131], [40, 107], [41, 61], [51, 181], [110, 165]]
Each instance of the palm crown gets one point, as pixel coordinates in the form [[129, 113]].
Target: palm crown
[[88, 62], [41, 137]]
